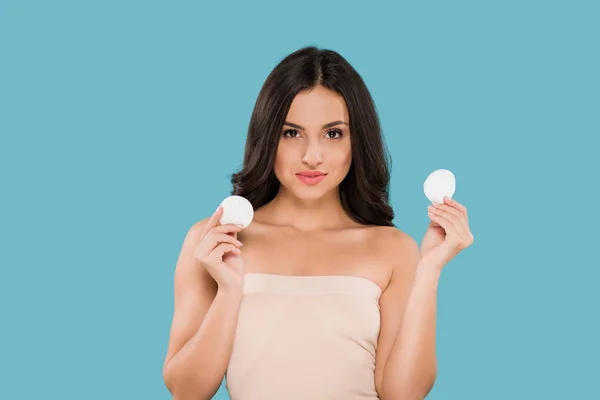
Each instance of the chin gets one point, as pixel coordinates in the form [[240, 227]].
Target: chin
[[306, 192], [310, 194]]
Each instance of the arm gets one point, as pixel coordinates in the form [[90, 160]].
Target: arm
[[408, 307], [203, 327]]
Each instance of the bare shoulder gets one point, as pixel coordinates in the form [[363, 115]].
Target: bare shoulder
[[188, 274], [398, 239], [195, 231], [198, 226], [399, 250]]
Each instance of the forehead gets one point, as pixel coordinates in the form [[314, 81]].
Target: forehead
[[316, 107]]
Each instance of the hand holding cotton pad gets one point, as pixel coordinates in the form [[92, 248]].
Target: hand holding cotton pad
[[439, 184], [236, 210]]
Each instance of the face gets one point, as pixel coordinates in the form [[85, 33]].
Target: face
[[316, 138]]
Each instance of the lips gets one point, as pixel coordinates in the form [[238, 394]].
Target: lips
[[311, 174], [310, 177]]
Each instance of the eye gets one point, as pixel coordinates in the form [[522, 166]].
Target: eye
[[291, 131], [334, 131]]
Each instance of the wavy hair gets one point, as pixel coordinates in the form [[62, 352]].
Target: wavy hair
[[364, 192]]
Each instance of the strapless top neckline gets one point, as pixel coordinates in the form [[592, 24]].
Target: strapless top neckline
[[310, 284]]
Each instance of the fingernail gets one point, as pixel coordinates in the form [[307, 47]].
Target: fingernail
[[239, 226]]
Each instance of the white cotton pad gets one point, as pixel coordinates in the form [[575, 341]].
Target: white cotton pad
[[236, 210], [439, 184]]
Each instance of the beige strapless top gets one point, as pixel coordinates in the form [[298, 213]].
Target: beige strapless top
[[305, 338]]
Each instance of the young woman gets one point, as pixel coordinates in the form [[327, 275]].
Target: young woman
[[326, 299]]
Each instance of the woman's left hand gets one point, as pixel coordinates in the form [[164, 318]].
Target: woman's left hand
[[447, 235]]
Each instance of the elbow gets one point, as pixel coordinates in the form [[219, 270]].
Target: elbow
[[169, 379], [174, 385], [408, 389], [420, 392], [182, 388]]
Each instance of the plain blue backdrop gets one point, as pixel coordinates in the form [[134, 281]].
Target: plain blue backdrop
[[122, 121]]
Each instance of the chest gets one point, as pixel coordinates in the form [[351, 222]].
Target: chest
[[352, 252]]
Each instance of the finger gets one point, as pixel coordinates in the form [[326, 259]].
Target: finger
[[443, 222], [463, 235], [228, 228], [219, 251], [454, 215], [456, 205], [465, 221], [448, 209], [452, 222], [214, 238], [448, 227], [213, 221]]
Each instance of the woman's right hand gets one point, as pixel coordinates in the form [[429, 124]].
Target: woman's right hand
[[218, 252]]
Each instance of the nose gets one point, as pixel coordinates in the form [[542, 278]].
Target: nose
[[313, 155]]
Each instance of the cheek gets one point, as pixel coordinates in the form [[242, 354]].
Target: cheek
[[342, 157], [283, 157]]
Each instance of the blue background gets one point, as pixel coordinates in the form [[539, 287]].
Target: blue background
[[121, 122]]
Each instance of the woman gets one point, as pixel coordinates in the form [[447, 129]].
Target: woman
[[326, 299]]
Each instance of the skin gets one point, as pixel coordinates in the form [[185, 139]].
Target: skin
[[302, 217]]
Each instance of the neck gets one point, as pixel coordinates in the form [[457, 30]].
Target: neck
[[306, 215]]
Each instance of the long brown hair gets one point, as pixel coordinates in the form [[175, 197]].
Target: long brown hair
[[364, 192]]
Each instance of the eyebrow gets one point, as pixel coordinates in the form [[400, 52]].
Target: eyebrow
[[329, 125]]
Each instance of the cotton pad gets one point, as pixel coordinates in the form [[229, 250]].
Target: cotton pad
[[236, 210], [439, 184]]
